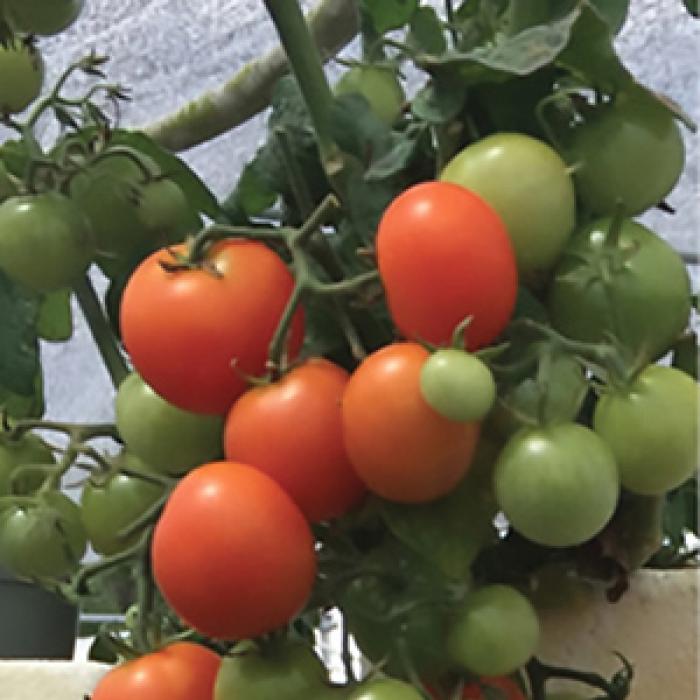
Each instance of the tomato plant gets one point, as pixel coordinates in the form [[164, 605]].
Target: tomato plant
[[168, 439], [179, 671], [652, 429], [494, 631], [290, 671], [379, 86], [457, 385], [443, 255], [44, 18], [110, 503], [45, 241], [632, 285], [232, 553], [557, 485], [21, 75], [629, 150], [203, 361], [292, 430], [529, 187], [400, 447], [43, 539]]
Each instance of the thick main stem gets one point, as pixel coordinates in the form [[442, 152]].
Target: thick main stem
[[101, 332]]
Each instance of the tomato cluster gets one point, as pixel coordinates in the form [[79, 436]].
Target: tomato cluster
[[501, 323]]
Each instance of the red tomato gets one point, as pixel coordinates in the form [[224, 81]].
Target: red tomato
[[292, 430], [443, 255], [401, 448], [194, 334], [181, 671], [232, 553]]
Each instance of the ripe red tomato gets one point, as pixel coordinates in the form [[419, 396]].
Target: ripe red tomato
[[401, 448], [232, 553], [181, 671], [292, 430], [443, 255], [194, 334]]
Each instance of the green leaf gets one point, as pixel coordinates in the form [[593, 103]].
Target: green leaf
[[253, 194], [30, 406], [19, 347], [693, 7], [590, 54], [386, 15], [426, 33], [197, 193], [451, 531], [398, 157], [55, 321], [15, 155], [441, 100], [614, 12]]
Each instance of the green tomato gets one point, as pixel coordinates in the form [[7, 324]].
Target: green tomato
[[288, 672], [385, 689], [652, 429], [165, 213], [379, 86], [28, 450], [110, 504], [169, 439], [108, 193], [457, 385], [43, 17], [494, 631], [21, 76], [45, 241], [630, 150], [636, 288], [42, 540], [528, 185], [558, 486]]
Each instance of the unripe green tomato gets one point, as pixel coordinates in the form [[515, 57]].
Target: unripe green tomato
[[167, 438], [45, 241], [458, 385], [528, 185], [43, 17], [21, 76], [494, 632], [28, 450], [557, 485], [630, 150], [165, 213], [652, 429], [379, 86], [385, 689]]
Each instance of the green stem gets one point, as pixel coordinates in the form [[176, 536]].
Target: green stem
[[145, 597], [101, 332], [306, 64], [279, 340], [219, 232]]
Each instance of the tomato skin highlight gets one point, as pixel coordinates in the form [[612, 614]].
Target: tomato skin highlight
[[292, 430], [232, 553], [180, 671], [652, 429], [194, 334], [444, 254], [401, 448]]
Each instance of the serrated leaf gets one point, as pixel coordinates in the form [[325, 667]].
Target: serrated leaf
[[451, 531], [426, 32], [19, 347], [441, 100], [386, 15], [196, 192], [55, 320]]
